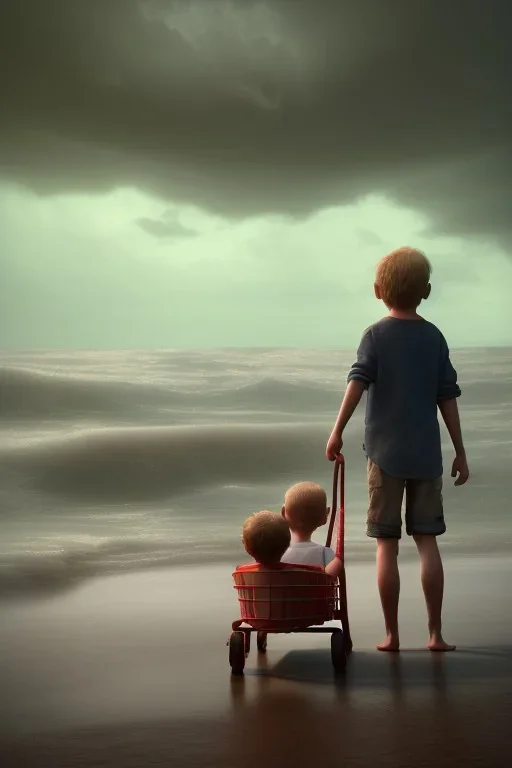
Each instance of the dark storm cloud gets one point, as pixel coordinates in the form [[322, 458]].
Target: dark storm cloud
[[313, 103]]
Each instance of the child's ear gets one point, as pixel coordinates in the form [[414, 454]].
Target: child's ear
[[283, 511], [377, 292], [427, 291]]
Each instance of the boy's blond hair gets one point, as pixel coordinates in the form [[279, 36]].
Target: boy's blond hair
[[305, 507], [403, 278], [266, 537]]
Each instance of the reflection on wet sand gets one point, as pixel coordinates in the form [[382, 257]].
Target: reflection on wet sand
[[411, 710], [408, 709]]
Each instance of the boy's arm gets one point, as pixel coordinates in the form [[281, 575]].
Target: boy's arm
[[447, 393], [361, 375], [450, 413], [334, 568], [353, 395], [447, 386]]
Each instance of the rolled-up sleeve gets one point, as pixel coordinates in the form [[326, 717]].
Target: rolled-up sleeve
[[365, 368], [447, 387]]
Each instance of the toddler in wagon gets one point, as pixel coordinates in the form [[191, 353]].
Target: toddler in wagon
[[304, 510], [266, 537]]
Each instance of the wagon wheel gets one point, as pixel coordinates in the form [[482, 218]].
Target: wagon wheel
[[338, 651], [261, 641], [237, 652]]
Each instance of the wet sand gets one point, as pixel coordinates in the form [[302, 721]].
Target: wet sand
[[133, 671]]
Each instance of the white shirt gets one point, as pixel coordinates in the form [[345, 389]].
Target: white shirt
[[308, 553]]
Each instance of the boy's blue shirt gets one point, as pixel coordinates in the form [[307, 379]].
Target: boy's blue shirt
[[405, 364]]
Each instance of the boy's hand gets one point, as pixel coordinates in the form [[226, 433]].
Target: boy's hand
[[334, 446], [460, 468]]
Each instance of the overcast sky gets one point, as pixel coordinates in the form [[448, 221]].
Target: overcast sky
[[205, 173]]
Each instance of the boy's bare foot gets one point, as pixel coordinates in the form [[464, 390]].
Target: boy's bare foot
[[390, 644], [436, 643]]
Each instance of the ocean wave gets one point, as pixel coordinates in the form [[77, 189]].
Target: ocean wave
[[33, 396], [54, 570], [28, 394], [280, 393], [151, 463]]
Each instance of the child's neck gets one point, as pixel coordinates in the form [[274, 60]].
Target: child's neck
[[300, 536], [404, 314]]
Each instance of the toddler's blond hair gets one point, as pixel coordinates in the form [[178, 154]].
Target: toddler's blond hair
[[266, 537], [305, 507]]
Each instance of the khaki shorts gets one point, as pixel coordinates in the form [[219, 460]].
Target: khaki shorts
[[423, 505]]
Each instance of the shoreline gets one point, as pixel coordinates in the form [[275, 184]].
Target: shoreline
[[50, 581]]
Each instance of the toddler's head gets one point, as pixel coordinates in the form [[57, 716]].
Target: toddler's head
[[402, 280], [305, 508], [266, 537]]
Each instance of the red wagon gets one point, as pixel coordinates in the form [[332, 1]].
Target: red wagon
[[294, 598]]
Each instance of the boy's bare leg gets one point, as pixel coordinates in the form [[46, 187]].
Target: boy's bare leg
[[388, 580], [432, 581]]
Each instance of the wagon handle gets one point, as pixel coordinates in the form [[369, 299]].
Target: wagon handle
[[338, 482]]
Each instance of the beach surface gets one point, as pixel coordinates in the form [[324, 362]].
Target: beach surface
[[133, 671]]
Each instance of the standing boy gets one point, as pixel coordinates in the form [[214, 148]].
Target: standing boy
[[403, 361]]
